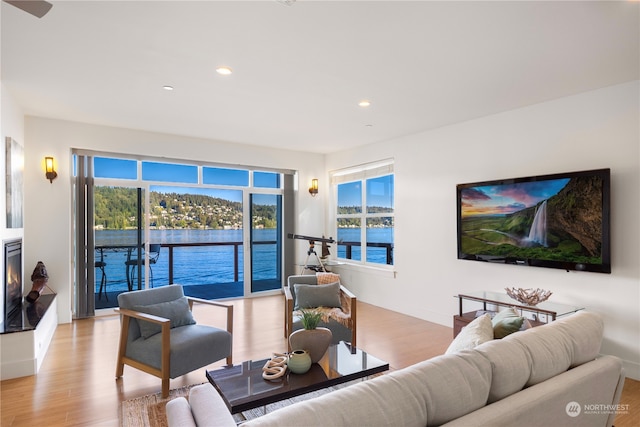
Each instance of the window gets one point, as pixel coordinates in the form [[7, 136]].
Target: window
[[197, 214], [223, 176], [169, 172], [365, 213], [105, 167], [266, 179]]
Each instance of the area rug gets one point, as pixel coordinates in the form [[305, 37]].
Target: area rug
[[149, 411]]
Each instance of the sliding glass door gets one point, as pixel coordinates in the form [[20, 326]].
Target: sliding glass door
[[148, 223], [119, 242], [266, 242], [109, 238]]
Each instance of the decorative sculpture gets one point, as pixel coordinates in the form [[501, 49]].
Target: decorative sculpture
[[528, 296], [275, 367], [39, 277]]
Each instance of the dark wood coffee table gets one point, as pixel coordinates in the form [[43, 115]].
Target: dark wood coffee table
[[242, 386]]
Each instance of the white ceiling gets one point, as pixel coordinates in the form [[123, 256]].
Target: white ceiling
[[300, 70]]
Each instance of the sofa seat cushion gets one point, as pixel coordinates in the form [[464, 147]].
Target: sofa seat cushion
[[550, 351], [562, 344], [598, 382], [510, 367], [426, 394], [585, 330], [456, 385]]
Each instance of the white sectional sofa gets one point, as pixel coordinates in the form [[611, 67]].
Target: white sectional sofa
[[548, 375]]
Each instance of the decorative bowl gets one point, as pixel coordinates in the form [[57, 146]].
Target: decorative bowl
[[528, 296]]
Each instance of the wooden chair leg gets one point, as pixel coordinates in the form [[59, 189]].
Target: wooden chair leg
[[119, 369], [165, 387], [122, 345]]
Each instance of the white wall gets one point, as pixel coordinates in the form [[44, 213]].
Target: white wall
[[48, 220], [598, 129], [11, 125]]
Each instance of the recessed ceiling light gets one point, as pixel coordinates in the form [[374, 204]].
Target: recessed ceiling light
[[225, 71], [167, 87], [364, 103]]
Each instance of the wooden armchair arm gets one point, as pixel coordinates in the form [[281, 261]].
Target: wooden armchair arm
[[143, 316], [287, 293], [228, 307], [206, 301], [347, 292], [349, 303], [166, 343], [288, 312]]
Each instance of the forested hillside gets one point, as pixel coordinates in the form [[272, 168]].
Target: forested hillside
[[115, 208]]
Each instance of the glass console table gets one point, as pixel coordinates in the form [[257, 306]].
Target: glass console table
[[538, 315]]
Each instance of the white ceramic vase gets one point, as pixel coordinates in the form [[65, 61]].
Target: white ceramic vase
[[315, 341]]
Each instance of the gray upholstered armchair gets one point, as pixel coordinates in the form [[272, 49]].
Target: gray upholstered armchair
[[159, 335], [340, 318]]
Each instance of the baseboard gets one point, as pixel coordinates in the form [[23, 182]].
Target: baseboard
[[20, 368], [631, 369]]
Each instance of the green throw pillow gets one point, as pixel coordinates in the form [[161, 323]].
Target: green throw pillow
[[506, 322], [177, 311], [312, 296]]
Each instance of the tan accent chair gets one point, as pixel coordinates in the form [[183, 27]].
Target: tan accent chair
[[159, 335], [343, 329]]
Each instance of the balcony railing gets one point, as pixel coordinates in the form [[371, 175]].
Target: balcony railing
[[349, 251], [387, 246], [174, 263], [236, 245]]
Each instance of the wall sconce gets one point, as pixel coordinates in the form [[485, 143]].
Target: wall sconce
[[51, 173], [313, 190]]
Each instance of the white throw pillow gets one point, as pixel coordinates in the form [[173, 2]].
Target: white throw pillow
[[475, 333]]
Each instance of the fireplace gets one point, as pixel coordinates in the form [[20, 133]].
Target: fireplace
[[13, 278], [26, 329]]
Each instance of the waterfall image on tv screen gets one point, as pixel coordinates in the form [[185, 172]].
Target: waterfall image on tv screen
[[557, 221]]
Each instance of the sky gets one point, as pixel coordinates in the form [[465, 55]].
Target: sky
[[508, 198], [379, 192], [185, 174]]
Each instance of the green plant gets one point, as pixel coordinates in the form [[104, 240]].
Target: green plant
[[310, 318]]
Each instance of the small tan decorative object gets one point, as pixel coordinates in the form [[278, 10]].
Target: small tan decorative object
[[528, 296], [275, 367]]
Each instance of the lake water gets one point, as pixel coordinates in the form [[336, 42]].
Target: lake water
[[378, 235], [213, 264]]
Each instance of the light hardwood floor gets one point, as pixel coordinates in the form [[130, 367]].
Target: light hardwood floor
[[76, 385]]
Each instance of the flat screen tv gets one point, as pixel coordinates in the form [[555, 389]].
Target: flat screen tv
[[557, 221]]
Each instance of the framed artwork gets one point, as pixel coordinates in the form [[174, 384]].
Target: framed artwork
[[15, 183]]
